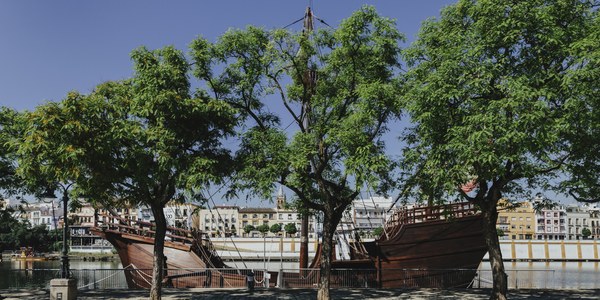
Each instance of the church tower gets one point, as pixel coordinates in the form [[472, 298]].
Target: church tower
[[280, 199]]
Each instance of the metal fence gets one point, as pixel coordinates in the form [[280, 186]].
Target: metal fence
[[291, 278]]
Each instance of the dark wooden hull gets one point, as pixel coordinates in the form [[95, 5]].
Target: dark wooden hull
[[439, 253], [186, 264]]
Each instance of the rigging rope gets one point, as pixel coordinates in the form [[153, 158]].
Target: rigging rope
[[219, 214]]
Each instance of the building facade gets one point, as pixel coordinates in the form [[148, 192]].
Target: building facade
[[219, 221], [551, 223], [370, 213], [517, 221]]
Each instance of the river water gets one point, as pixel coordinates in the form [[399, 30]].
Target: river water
[[551, 275]]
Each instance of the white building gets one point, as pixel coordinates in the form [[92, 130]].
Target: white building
[[578, 218], [371, 213], [551, 223], [219, 220]]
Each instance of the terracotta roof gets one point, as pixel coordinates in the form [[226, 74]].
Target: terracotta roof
[[257, 210]]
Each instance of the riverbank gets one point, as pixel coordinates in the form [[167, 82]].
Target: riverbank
[[470, 294]]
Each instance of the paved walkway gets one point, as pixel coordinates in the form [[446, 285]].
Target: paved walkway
[[293, 294]]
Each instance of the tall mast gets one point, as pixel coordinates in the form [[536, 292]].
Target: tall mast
[[309, 82]]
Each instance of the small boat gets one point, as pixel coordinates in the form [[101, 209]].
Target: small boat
[[28, 254]]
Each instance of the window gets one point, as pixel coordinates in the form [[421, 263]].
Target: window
[[280, 216], [289, 216], [245, 216]]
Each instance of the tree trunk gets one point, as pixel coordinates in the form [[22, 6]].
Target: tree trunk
[[326, 254], [500, 279], [159, 246]]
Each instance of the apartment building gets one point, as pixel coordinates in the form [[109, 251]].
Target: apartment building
[[517, 221], [221, 220], [370, 213], [551, 223]]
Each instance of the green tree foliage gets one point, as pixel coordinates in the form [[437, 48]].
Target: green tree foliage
[[264, 228], [9, 132], [290, 228], [163, 141], [338, 94], [500, 232], [15, 234], [586, 232], [486, 93], [584, 81], [378, 231], [147, 140], [275, 228], [249, 228]]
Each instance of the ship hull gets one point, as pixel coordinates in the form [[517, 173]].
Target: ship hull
[[188, 265], [441, 253]]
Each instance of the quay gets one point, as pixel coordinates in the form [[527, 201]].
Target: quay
[[297, 294]]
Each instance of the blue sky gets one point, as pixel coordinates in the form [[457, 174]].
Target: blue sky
[[48, 48]]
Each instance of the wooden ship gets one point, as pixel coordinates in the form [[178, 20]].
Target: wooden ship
[[421, 247], [431, 246], [191, 260]]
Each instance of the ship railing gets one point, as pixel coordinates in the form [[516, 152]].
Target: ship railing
[[420, 214], [147, 229]]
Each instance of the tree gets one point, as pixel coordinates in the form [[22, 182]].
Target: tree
[[248, 229], [9, 132], [290, 228], [264, 228], [146, 140], [486, 93], [586, 232], [337, 89], [275, 228], [500, 232], [378, 231], [584, 80]]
